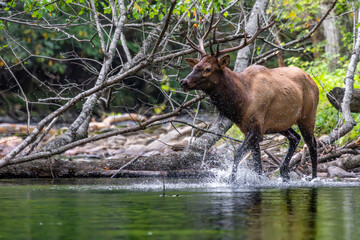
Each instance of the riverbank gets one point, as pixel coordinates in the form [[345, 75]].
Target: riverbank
[[159, 151]]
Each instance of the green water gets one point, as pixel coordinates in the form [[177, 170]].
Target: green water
[[135, 209]]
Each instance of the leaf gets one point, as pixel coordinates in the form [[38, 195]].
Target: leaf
[[137, 7], [357, 25], [292, 14], [299, 7], [107, 10], [285, 2], [226, 14], [151, 15]]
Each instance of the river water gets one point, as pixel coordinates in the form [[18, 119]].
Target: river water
[[190, 209]]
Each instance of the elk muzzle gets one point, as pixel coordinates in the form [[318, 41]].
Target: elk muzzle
[[184, 84]]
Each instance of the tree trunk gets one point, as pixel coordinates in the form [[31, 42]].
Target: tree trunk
[[331, 34], [349, 121], [244, 54], [316, 38]]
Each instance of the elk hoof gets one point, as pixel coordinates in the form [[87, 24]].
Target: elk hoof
[[284, 173], [232, 178]]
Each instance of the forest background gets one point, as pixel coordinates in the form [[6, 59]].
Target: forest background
[[70, 62]]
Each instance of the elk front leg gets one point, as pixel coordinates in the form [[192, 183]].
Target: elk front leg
[[251, 142], [255, 151]]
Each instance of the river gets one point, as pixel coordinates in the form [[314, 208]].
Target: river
[[190, 209]]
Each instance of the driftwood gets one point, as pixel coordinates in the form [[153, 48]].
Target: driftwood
[[346, 157], [336, 96], [336, 154], [347, 162], [153, 166]]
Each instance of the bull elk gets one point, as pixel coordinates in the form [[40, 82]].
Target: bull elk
[[258, 100]]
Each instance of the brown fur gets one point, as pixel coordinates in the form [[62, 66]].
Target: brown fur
[[272, 100], [260, 101]]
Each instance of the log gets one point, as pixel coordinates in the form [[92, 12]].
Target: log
[[346, 162], [336, 154], [335, 97], [172, 165]]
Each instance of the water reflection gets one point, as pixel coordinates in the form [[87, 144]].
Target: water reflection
[[103, 211], [263, 214]]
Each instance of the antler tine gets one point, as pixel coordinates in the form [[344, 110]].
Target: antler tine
[[211, 49], [194, 46], [211, 26], [214, 41], [201, 48], [252, 39]]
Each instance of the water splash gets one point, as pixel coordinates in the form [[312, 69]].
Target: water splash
[[246, 181]]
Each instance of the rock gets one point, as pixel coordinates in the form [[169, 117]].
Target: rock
[[115, 141], [151, 153], [136, 149], [174, 137], [8, 143], [294, 176], [138, 140], [334, 171]]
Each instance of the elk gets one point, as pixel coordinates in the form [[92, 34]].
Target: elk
[[258, 100]]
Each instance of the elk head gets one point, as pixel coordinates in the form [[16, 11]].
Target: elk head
[[208, 69], [205, 73]]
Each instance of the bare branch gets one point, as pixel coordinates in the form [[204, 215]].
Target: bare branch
[[263, 57], [247, 42], [141, 126]]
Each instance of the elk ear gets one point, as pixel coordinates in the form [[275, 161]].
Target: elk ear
[[192, 61], [224, 61]]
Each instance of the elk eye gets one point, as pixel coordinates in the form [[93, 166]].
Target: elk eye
[[207, 70]]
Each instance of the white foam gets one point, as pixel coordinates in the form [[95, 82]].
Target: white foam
[[245, 181]]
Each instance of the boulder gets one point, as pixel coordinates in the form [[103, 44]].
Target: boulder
[[334, 171]]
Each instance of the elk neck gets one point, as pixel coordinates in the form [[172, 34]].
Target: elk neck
[[230, 94]]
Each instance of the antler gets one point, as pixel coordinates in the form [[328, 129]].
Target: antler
[[246, 42], [201, 48]]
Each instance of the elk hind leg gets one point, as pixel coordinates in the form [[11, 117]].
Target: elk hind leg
[[310, 141], [294, 140]]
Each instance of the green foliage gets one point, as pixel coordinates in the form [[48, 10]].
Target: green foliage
[[235, 132], [45, 42], [152, 9]]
